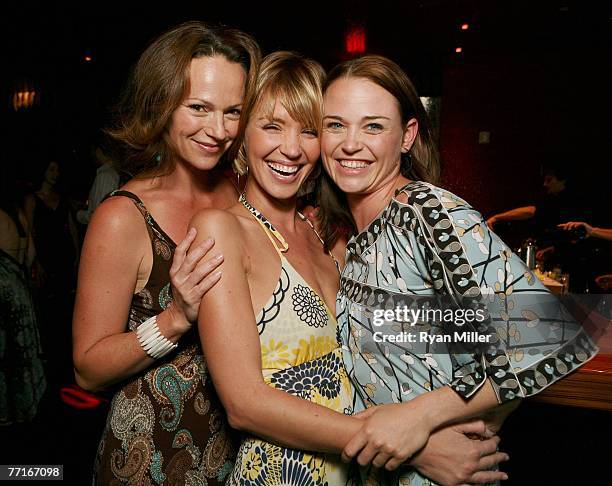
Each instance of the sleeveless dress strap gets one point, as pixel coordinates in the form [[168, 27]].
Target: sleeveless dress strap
[[280, 245], [304, 218], [274, 235], [130, 195], [152, 225]]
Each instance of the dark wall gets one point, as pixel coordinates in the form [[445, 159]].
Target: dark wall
[[550, 110], [533, 74], [504, 172]]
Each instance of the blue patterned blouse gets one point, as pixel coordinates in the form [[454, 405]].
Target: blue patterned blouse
[[437, 245]]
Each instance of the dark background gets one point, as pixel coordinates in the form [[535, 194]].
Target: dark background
[[536, 75]]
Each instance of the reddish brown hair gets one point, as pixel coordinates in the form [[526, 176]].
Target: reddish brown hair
[[159, 82]]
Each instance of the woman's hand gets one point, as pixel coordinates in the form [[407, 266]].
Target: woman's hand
[[390, 435], [574, 225], [191, 277], [452, 457]]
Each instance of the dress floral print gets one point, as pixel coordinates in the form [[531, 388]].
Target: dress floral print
[[432, 245], [308, 306], [166, 424], [300, 355]]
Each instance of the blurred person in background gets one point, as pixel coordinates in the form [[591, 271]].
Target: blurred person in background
[[22, 378], [559, 202], [53, 229], [106, 181], [55, 237]]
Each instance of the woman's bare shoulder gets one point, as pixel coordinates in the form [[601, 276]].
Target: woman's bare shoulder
[[218, 221], [118, 221]]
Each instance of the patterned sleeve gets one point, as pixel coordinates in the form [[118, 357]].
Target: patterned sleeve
[[536, 340]]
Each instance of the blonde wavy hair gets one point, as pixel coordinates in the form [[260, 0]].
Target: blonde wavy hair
[[290, 79]]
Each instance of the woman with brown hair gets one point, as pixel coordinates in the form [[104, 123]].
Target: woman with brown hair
[[414, 245], [138, 292]]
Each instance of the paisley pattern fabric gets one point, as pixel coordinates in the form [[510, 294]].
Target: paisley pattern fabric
[[165, 425], [300, 355], [435, 244]]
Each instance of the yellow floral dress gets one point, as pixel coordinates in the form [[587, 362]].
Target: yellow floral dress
[[300, 355]]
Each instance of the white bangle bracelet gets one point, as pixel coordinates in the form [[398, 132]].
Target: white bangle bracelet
[[152, 341]]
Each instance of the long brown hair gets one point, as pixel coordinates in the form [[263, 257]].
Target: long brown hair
[[158, 84], [422, 163]]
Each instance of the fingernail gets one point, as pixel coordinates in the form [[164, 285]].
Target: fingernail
[[219, 257], [192, 231], [507, 457], [504, 477], [217, 274]]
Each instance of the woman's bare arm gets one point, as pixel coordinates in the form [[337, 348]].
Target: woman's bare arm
[[401, 429], [231, 345], [104, 353], [115, 245]]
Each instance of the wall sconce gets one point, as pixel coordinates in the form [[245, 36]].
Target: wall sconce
[[24, 96]]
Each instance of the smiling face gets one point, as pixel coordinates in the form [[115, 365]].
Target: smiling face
[[204, 125], [363, 135], [280, 151]]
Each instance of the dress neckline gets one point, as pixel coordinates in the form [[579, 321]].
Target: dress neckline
[[359, 242], [285, 246], [263, 221]]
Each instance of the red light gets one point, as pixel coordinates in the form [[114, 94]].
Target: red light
[[465, 26], [355, 40], [88, 58], [458, 50]]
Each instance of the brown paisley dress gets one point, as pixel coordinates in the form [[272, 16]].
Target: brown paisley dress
[[166, 424]]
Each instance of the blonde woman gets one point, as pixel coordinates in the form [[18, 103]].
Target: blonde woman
[[267, 327]]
